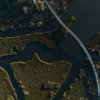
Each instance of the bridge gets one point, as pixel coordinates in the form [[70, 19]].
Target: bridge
[[79, 42]]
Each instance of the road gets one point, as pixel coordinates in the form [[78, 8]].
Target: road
[[79, 42]]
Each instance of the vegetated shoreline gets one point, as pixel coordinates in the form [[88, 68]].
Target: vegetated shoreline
[[25, 18], [21, 41], [36, 59], [9, 95]]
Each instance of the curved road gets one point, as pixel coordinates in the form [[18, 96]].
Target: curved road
[[46, 54], [79, 42]]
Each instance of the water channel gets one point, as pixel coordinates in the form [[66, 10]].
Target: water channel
[[87, 13]]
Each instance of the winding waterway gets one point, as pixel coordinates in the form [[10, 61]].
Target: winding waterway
[[87, 13], [49, 55]]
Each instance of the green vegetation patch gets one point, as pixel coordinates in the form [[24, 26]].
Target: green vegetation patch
[[40, 80], [7, 92]]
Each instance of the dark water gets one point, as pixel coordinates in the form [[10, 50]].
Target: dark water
[[49, 55], [87, 13], [18, 90]]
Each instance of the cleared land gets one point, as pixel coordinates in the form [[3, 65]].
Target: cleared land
[[40, 80], [7, 91]]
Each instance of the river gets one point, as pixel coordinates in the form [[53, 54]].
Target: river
[[87, 13]]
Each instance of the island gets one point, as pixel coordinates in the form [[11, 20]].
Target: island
[[38, 79]]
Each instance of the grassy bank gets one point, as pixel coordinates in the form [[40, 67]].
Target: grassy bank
[[7, 91], [76, 91]]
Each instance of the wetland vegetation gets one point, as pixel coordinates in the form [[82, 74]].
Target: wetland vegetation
[[40, 80], [7, 91]]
